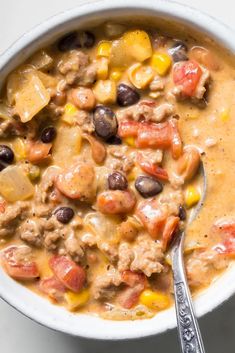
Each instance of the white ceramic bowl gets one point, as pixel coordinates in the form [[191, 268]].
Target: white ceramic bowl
[[33, 305]]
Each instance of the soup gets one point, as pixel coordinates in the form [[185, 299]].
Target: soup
[[102, 135]]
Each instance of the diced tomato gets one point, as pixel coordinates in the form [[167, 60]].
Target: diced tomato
[[38, 151], [176, 142], [162, 135], [152, 216], [17, 268], [187, 75], [226, 226], [71, 275], [226, 229], [151, 168], [169, 230], [52, 287], [154, 136], [128, 128], [136, 283], [133, 278], [116, 201]]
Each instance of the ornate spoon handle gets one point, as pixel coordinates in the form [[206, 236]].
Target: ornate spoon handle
[[188, 328]]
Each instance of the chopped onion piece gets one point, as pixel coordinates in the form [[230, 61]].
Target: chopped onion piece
[[16, 80], [67, 145], [4, 112], [15, 185], [31, 98], [105, 228], [47, 80], [41, 60]]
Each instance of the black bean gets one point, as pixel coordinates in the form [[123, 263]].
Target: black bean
[[74, 40], [105, 122], [148, 186], [68, 42], [48, 134], [87, 39], [126, 95], [64, 214], [114, 140], [178, 51], [117, 181], [2, 165], [182, 213], [6, 156]]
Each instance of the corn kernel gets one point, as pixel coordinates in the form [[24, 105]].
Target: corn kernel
[[70, 109], [130, 141], [105, 91], [104, 49], [224, 115], [161, 62], [19, 148], [140, 75], [102, 68], [69, 114], [137, 45], [192, 196], [154, 300], [76, 300], [115, 74]]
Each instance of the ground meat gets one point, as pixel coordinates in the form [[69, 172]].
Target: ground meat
[[110, 250], [54, 111], [125, 257], [74, 65], [146, 256], [154, 157], [42, 210], [31, 231], [74, 247], [46, 186], [84, 121], [157, 85], [22, 254], [172, 201], [11, 127], [147, 111], [11, 218], [53, 232], [126, 162], [40, 231], [105, 287]]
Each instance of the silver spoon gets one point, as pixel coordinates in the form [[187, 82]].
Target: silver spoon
[[188, 328]]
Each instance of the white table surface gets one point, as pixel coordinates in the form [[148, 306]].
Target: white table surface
[[20, 335]]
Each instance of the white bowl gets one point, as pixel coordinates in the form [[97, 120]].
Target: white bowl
[[32, 305]]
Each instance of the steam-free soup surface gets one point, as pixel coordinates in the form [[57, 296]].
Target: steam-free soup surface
[[102, 135]]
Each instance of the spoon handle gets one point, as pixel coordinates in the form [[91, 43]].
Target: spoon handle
[[188, 328]]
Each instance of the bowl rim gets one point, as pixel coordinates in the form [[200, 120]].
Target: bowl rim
[[106, 330]]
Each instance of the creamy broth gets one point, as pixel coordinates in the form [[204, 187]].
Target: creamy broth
[[102, 134]]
